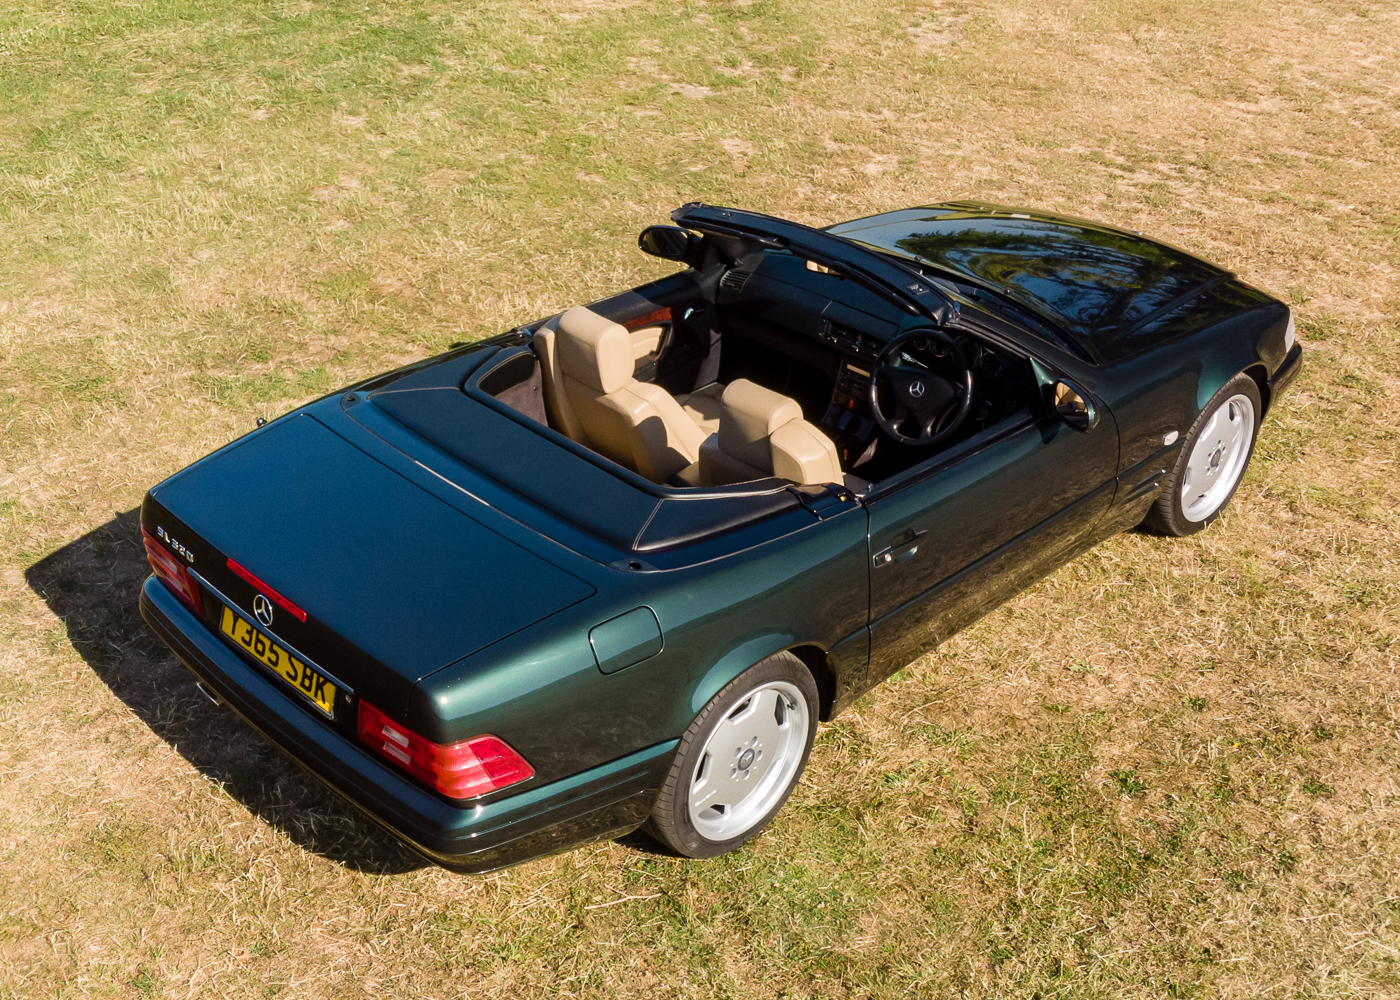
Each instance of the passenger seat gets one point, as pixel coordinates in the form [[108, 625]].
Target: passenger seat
[[704, 406], [596, 401], [762, 433]]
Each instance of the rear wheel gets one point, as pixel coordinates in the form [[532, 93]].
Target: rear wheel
[[739, 760], [1211, 462]]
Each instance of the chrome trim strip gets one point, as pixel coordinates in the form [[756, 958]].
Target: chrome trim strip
[[314, 665]]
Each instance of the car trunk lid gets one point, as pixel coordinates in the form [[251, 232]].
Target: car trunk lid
[[395, 583]]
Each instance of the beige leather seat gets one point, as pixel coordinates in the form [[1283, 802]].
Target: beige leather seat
[[704, 406], [587, 363], [762, 433]]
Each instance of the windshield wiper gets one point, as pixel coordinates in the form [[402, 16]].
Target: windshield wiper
[[1030, 320], [988, 295]]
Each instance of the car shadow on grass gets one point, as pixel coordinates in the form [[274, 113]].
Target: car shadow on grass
[[93, 585], [644, 843]]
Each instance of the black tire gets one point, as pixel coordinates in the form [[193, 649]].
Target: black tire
[[1167, 515], [671, 819]]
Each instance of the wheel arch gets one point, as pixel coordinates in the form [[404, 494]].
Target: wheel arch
[[1220, 372], [747, 654], [1225, 353], [815, 660], [1260, 374]]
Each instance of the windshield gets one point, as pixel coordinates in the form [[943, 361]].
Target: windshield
[[1103, 284]]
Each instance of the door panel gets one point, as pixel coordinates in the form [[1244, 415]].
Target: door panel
[[948, 548]]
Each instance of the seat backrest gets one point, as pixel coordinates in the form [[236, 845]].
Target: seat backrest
[[561, 415], [762, 433], [636, 424]]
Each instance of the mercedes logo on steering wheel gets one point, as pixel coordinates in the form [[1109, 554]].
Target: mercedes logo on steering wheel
[[916, 389], [262, 608]]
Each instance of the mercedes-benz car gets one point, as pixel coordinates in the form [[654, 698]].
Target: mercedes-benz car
[[613, 567]]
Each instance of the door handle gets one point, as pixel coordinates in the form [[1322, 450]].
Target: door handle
[[905, 546]]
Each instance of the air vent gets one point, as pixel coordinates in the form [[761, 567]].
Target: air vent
[[734, 280]]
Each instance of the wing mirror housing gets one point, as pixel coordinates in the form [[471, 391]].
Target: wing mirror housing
[[1074, 406], [669, 243]]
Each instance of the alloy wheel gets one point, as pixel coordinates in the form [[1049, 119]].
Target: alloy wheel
[[1218, 458], [749, 761]]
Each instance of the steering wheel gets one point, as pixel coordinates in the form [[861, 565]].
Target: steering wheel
[[937, 404]]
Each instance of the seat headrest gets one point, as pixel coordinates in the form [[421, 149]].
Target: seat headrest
[[594, 350], [750, 415], [803, 454]]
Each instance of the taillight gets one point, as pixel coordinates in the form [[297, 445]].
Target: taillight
[[458, 770], [172, 572]]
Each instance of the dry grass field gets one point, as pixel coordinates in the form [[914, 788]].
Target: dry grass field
[[1170, 770]]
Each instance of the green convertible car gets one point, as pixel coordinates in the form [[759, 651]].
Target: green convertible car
[[612, 568]]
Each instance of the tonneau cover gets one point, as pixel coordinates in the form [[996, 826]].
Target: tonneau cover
[[409, 580]]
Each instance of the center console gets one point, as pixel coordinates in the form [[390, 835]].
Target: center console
[[847, 418]]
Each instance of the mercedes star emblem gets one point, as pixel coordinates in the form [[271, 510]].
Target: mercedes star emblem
[[916, 390], [262, 607]]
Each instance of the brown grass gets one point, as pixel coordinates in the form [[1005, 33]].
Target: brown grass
[[1169, 770]]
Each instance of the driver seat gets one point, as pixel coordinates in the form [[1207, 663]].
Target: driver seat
[[636, 424], [762, 434]]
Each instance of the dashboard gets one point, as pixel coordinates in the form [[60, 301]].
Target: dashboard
[[806, 331]]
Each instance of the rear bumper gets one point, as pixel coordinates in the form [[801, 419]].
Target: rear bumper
[[607, 800], [1286, 372]]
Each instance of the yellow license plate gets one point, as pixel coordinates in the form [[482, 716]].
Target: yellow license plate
[[315, 688]]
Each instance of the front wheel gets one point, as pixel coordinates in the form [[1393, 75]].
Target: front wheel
[[1211, 463], [739, 760]]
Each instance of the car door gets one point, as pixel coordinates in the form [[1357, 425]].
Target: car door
[[951, 541]]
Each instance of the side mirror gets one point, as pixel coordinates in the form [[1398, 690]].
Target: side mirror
[[1074, 407], [668, 242]]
